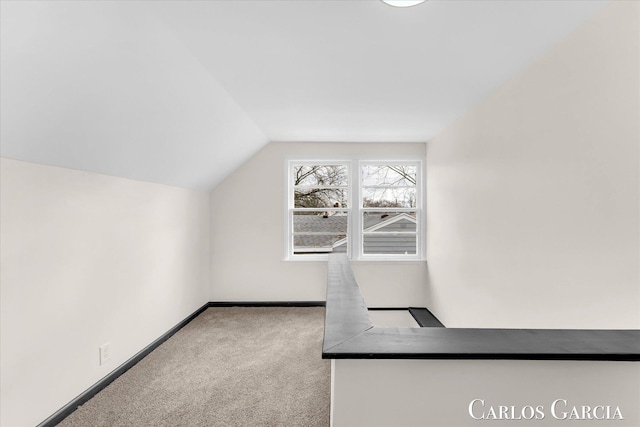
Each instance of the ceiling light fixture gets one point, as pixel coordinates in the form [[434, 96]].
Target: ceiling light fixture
[[403, 3]]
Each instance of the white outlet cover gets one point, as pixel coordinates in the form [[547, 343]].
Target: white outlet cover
[[105, 352]]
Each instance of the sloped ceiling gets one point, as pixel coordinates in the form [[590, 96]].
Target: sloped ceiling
[[182, 92]]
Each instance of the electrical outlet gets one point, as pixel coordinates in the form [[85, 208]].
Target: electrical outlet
[[105, 352]]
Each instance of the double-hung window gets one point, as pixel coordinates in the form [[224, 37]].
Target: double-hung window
[[389, 215], [367, 209], [319, 210]]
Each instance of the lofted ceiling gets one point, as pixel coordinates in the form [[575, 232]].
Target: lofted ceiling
[[182, 92]]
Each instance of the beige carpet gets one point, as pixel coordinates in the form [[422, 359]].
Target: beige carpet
[[236, 366]]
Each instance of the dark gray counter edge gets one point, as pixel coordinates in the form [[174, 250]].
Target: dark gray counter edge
[[349, 334]]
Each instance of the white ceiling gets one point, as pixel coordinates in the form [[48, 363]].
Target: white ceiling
[[182, 92]]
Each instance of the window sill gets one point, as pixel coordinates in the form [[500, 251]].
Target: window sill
[[325, 258]]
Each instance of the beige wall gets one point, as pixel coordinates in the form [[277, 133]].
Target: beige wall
[[247, 235], [403, 393], [88, 259], [533, 196]]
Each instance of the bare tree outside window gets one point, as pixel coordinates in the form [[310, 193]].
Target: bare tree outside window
[[320, 186], [389, 186]]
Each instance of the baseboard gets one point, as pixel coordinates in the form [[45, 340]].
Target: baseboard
[[70, 407], [425, 318], [267, 304]]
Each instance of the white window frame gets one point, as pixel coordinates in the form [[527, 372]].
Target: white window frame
[[355, 234], [418, 209]]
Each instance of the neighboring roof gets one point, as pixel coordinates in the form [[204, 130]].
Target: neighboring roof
[[320, 224], [377, 222], [338, 224]]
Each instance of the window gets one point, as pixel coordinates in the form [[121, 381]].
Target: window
[[319, 213], [388, 209], [367, 209]]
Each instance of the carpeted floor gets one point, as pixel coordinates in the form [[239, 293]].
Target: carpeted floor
[[236, 366]]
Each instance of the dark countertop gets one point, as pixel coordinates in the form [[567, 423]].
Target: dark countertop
[[349, 334]]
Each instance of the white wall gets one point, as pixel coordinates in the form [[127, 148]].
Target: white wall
[[247, 235], [533, 196], [88, 259], [372, 393]]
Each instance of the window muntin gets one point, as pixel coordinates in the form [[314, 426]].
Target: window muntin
[[384, 224]]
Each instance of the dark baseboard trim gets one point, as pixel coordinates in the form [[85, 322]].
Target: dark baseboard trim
[[387, 308], [267, 304], [70, 407], [425, 318]]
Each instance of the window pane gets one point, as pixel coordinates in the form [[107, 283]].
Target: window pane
[[389, 222], [384, 243], [389, 197], [389, 175], [319, 243], [320, 175], [319, 232], [320, 198]]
